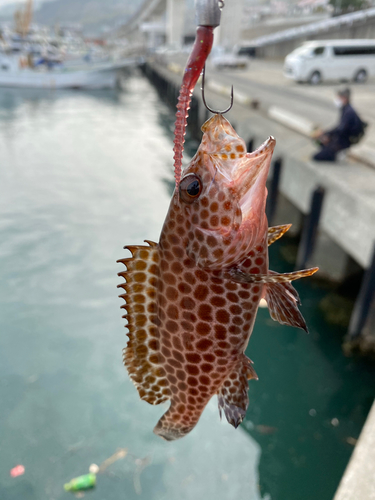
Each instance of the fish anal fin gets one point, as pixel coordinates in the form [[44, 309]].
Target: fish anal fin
[[233, 396], [141, 355], [276, 232], [282, 301]]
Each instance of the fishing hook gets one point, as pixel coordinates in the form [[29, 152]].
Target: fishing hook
[[204, 100]]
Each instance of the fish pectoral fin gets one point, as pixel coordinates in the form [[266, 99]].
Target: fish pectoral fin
[[239, 276], [289, 287], [282, 301], [281, 297], [234, 403], [276, 232], [141, 355]]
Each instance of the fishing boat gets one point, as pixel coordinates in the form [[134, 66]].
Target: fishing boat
[[31, 58], [20, 72]]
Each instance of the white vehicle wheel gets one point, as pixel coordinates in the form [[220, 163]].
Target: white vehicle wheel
[[361, 76], [315, 78]]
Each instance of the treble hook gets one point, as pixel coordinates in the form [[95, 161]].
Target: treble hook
[[204, 100]]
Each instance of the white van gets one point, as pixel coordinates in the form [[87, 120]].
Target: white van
[[323, 60]]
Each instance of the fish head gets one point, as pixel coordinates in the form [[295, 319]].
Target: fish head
[[222, 194]]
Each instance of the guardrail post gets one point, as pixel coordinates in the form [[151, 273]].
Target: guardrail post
[[274, 190], [364, 300], [309, 230]]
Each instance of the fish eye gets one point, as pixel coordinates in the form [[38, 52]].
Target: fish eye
[[190, 188]]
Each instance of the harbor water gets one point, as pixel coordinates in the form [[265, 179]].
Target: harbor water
[[81, 175]]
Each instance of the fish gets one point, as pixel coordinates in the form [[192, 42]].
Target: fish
[[191, 299]]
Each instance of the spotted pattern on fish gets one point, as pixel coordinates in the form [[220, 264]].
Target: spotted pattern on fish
[[202, 284], [205, 323]]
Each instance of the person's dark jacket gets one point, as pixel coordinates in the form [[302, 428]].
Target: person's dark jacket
[[350, 126]]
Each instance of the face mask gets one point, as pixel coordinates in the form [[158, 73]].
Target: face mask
[[338, 102]]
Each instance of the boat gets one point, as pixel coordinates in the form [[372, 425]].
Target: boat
[[30, 57], [18, 71]]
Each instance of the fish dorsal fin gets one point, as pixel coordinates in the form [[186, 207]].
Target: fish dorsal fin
[[276, 232], [141, 353]]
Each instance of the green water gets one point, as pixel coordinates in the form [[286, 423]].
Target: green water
[[81, 175], [312, 395]]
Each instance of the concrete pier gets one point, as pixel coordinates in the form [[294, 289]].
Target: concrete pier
[[358, 481]]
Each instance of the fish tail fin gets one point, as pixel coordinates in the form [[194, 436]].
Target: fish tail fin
[[176, 423]]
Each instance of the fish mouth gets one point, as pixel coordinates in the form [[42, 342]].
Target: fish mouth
[[251, 177]]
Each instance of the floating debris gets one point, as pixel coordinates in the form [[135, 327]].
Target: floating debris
[[18, 470], [80, 483], [88, 481], [94, 469], [351, 440], [266, 429], [120, 453], [141, 464], [363, 345]]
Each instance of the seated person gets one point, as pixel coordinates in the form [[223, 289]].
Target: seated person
[[347, 132]]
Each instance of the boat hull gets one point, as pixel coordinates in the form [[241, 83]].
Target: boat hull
[[100, 77]]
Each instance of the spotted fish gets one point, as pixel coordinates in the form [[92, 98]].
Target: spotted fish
[[191, 299]]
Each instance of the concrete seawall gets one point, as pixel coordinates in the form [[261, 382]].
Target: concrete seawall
[[358, 481]]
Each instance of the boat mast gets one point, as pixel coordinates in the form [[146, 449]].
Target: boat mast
[[28, 16], [23, 17]]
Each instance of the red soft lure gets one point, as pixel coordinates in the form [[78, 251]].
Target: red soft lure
[[201, 49]]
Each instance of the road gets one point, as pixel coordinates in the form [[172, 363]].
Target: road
[[264, 80]]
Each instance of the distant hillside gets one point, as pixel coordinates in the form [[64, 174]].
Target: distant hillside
[[92, 14], [7, 10]]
